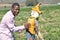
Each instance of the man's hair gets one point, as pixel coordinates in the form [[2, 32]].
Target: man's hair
[[15, 4]]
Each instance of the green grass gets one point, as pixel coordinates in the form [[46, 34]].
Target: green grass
[[49, 22]]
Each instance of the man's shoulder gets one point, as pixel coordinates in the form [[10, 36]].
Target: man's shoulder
[[8, 12], [8, 15]]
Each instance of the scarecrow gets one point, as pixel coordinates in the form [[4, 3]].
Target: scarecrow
[[34, 27]]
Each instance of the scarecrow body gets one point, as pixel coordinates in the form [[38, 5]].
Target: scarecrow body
[[31, 20]]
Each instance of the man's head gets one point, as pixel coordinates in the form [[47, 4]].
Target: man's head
[[15, 8]]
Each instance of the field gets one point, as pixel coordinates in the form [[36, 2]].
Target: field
[[49, 21]]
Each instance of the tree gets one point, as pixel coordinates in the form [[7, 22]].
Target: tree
[[31, 2]]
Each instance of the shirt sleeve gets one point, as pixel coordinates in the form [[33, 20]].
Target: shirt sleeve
[[11, 25], [19, 28]]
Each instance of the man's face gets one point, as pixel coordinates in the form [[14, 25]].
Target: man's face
[[15, 10]]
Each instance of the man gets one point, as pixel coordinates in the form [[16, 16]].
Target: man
[[7, 26]]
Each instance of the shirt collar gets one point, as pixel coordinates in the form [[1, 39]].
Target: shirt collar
[[12, 14]]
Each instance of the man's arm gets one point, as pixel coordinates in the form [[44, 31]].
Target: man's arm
[[11, 25]]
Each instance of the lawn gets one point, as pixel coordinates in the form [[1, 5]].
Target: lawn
[[49, 22]]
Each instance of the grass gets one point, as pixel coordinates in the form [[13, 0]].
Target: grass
[[49, 22]]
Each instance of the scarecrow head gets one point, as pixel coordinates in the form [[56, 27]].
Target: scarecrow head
[[36, 11]]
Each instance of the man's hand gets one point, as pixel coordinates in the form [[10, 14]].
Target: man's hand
[[27, 25]]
